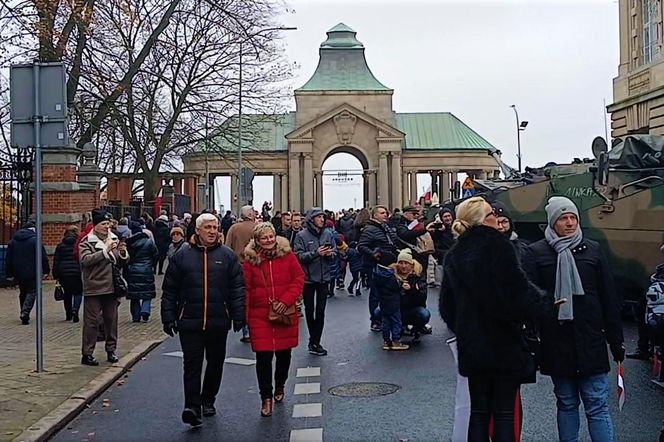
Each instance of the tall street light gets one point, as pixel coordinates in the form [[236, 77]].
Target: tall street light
[[242, 197], [520, 125]]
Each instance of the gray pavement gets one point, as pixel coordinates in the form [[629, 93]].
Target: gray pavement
[[147, 405]]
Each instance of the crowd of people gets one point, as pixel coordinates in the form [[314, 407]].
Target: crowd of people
[[550, 305]]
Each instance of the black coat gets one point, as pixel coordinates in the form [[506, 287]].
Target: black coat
[[417, 295], [139, 273], [386, 284], [376, 236], [20, 257], [485, 299], [345, 227], [162, 236], [66, 268], [443, 240], [203, 288], [578, 347]]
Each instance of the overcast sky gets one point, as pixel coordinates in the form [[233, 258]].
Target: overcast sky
[[554, 60]]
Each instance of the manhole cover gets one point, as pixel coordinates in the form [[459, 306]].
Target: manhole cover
[[364, 389]]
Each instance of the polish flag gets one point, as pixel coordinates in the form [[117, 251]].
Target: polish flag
[[621, 387]]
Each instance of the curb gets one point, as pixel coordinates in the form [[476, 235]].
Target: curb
[[47, 426]]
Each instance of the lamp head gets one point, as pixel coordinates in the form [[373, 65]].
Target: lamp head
[[523, 124]]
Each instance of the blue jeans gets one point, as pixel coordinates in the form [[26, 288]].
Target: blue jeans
[[418, 317], [374, 300], [593, 391], [139, 307], [391, 326]]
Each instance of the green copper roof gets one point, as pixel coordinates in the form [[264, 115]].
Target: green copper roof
[[260, 133], [342, 65], [438, 130]]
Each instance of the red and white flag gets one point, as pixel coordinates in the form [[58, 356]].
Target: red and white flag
[[621, 387]]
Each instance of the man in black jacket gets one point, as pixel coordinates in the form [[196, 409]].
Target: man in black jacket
[[20, 265], [572, 268], [203, 292], [376, 238], [294, 227]]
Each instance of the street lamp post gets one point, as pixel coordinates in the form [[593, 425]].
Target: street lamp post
[[520, 125], [242, 197]]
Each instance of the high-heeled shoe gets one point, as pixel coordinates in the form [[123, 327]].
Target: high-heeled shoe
[[266, 408], [279, 394]]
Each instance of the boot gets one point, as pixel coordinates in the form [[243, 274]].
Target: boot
[[89, 360], [279, 394], [266, 408], [397, 345]]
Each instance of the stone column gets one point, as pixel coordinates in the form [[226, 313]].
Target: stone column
[[397, 184], [434, 183], [405, 193], [308, 191], [383, 178], [319, 189], [371, 178], [445, 186], [413, 187], [234, 194], [284, 191], [294, 197], [276, 192]]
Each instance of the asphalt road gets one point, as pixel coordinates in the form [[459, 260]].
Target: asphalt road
[[148, 404]]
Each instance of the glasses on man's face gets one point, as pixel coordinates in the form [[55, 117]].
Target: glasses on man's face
[[504, 222], [176, 234]]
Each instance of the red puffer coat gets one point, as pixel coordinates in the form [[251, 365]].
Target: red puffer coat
[[281, 279]]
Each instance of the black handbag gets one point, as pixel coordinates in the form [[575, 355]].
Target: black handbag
[[119, 283], [59, 292]]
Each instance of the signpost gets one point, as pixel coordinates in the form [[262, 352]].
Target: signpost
[[468, 187], [38, 112]]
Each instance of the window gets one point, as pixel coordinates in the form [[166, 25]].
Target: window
[[649, 14]]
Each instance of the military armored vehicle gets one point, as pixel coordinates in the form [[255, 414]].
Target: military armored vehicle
[[620, 196]]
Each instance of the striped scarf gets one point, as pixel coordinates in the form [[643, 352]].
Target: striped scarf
[[268, 254]]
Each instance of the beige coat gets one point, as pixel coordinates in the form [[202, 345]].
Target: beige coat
[[96, 264], [239, 236]]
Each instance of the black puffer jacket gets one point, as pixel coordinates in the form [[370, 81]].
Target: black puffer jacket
[[20, 256], [376, 236], [203, 288], [139, 274], [66, 268], [578, 347], [162, 236], [485, 299]]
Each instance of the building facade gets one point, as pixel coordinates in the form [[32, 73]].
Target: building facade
[[638, 90], [344, 108]]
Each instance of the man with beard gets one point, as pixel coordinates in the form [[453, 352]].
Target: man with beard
[[315, 248]]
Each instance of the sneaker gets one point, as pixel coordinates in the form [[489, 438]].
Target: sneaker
[[209, 410], [145, 317], [375, 327], [74, 318], [350, 290], [89, 360], [112, 357], [25, 320], [387, 345], [191, 417], [317, 349], [426, 330], [397, 345]]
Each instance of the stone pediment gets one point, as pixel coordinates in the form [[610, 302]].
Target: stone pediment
[[345, 118]]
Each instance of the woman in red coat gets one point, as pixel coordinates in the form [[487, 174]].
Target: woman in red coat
[[272, 272]]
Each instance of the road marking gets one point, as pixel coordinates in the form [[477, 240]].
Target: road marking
[[240, 361], [308, 372], [308, 410], [308, 435], [176, 354], [310, 388]]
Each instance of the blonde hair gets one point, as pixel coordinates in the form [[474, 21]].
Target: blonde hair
[[468, 214], [261, 228]]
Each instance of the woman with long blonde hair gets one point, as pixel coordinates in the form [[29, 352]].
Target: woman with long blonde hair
[[485, 300]]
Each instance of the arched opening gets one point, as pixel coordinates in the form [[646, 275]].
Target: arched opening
[[343, 181]]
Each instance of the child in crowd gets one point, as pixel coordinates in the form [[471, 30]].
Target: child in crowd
[[354, 258], [389, 293]]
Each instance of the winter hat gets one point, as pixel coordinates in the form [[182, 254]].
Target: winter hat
[[445, 210], [406, 256], [177, 229], [501, 211], [163, 218], [100, 215], [557, 207], [135, 227], [29, 225], [329, 224], [314, 212], [186, 216]]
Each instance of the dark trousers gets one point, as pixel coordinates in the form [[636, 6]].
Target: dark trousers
[[315, 299], [264, 370], [95, 309], [355, 281], [159, 265], [72, 303], [491, 398], [195, 346], [374, 300], [27, 294]]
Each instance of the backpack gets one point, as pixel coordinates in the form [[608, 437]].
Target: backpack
[[655, 309]]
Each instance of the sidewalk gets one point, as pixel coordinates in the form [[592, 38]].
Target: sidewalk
[[27, 396]]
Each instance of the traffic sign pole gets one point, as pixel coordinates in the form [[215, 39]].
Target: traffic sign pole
[[37, 119]]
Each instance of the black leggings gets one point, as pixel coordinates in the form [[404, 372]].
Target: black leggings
[[491, 397], [264, 370]]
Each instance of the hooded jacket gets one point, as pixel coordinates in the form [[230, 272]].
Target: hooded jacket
[[139, 274], [316, 268], [66, 268], [280, 279], [162, 236], [20, 256], [203, 288]]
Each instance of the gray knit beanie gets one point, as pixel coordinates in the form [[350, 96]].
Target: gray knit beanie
[[557, 207]]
